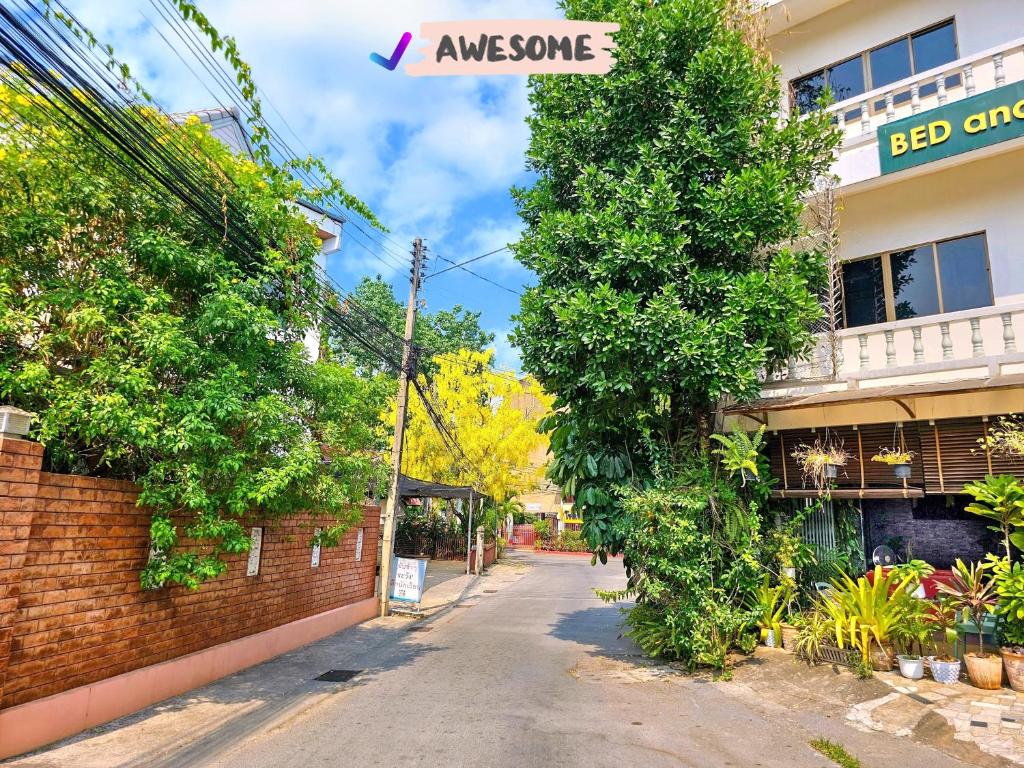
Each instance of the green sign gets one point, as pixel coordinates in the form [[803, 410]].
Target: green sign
[[977, 121]]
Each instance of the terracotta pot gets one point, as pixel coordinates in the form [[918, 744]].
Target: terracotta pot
[[881, 658], [986, 672], [1014, 663], [945, 672], [789, 638]]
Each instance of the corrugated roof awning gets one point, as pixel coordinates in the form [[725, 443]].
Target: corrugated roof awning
[[410, 487], [874, 394]]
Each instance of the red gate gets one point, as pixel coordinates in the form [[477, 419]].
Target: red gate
[[523, 536]]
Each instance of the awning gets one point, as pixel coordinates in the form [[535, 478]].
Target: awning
[[410, 487], [897, 394]]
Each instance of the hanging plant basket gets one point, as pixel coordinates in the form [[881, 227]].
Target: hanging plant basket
[[902, 471], [899, 459], [831, 471]]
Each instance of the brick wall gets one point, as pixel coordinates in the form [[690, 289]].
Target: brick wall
[[939, 542], [71, 608]]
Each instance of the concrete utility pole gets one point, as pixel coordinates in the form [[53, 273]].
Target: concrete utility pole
[[391, 509]]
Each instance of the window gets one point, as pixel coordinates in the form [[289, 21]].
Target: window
[[889, 63], [863, 292], [931, 279]]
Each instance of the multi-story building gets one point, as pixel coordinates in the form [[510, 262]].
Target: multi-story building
[[928, 287]]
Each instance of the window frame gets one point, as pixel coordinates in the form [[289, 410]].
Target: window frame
[[887, 285], [865, 57]]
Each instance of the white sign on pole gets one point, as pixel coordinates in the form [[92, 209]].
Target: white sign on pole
[[255, 549], [359, 545], [315, 561], [407, 577]]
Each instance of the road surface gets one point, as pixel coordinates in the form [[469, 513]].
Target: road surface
[[529, 670]]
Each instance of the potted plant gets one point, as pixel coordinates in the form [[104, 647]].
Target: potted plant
[[740, 453], [897, 458], [1009, 585], [813, 628], [1000, 498], [916, 571], [945, 669], [913, 629], [970, 591], [820, 462], [867, 613], [768, 604]]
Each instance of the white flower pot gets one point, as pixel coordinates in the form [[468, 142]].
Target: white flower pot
[[912, 669], [769, 639], [945, 672]]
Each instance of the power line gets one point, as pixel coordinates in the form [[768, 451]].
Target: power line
[[461, 264]]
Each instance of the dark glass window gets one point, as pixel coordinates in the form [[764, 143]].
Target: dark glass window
[[915, 53], [914, 289], [890, 63], [846, 80], [934, 47], [863, 292], [807, 91], [963, 270]]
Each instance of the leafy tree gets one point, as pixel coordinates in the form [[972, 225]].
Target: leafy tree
[[667, 193], [442, 332], [156, 348], [662, 227], [495, 435]]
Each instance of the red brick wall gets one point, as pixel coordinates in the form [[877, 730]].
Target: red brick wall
[[80, 615]]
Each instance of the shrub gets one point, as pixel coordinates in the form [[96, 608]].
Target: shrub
[[567, 541]]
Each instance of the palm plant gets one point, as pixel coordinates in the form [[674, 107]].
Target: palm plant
[[1000, 498], [868, 610], [970, 591]]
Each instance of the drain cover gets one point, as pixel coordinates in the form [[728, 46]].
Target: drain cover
[[490, 591], [338, 675], [418, 629]]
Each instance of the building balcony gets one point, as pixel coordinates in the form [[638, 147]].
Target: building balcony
[[860, 117], [976, 344]]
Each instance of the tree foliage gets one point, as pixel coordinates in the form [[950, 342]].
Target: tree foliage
[[484, 409], [153, 348], [443, 332], [667, 193]]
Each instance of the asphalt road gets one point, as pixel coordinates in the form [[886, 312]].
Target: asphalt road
[[529, 670]]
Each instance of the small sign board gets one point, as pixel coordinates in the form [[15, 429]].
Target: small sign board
[[407, 576], [359, 545], [315, 560], [255, 549]]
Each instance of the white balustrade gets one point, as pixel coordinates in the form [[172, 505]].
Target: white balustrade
[[950, 342], [951, 82]]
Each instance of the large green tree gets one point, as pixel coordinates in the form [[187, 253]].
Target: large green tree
[[157, 347], [444, 332], [659, 226]]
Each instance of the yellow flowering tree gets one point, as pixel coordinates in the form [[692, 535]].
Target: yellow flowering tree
[[494, 417]]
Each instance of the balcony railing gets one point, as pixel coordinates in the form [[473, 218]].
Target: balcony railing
[[953, 346], [861, 115]]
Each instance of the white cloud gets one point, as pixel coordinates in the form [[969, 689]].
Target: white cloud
[[490, 235], [416, 149]]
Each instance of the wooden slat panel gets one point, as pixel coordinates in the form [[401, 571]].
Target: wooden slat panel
[[962, 459], [878, 436]]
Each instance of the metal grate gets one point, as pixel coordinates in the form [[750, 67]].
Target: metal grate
[[820, 528], [338, 675]]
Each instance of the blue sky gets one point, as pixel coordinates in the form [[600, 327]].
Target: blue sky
[[433, 157]]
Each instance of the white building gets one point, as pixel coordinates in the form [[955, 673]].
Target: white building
[[929, 97], [226, 125]]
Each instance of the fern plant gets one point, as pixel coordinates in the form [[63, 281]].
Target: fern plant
[[739, 453]]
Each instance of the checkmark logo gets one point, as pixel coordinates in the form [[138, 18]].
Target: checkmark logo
[[391, 63]]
